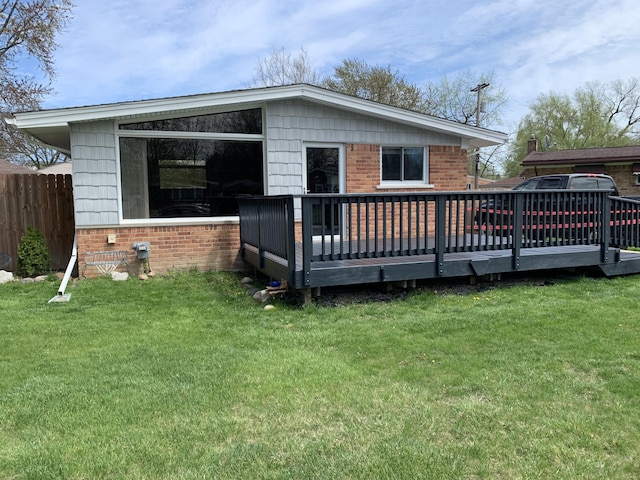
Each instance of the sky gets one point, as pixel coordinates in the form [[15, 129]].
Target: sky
[[117, 50]]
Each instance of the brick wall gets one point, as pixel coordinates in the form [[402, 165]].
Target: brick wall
[[447, 172], [447, 169], [624, 178], [205, 247]]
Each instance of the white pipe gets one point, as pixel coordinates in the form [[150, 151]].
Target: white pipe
[[72, 262]]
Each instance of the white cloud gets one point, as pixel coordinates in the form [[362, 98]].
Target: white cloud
[[122, 50]]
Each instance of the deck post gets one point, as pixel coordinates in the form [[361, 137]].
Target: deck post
[[291, 238], [518, 212], [441, 232], [606, 227], [307, 239], [260, 247]]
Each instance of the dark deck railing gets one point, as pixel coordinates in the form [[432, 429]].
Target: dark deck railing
[[369, 226]]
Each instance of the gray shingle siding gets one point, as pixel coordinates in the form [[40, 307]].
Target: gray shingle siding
[[93, 150], [290, 123]]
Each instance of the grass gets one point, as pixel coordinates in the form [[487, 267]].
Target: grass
[[184, 377]]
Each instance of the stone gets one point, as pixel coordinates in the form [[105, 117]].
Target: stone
[[119, 276], [28, 280], [41, 278], [5, 276], [59, 275], [247, 281], [143, 276], [261, 296], [269, 307], [251, 290]]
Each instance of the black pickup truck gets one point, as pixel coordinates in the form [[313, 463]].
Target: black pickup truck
[[492, 213], [570, 181]]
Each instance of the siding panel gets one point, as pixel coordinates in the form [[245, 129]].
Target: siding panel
[[96, 183]]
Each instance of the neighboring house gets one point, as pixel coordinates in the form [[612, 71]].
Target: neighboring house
[[63, 168], [7, 168], [169, 171], [502, 184], [482, 182], [621, 163]]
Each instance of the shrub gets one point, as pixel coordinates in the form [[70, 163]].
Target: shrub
[[33, 254]]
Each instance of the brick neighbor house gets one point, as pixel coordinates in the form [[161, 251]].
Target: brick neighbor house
[[169, 171], [621, 163]]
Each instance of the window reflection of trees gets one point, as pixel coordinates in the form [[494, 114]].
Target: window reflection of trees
[[241, 121]]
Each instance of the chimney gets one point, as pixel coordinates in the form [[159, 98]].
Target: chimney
[[532, 144]]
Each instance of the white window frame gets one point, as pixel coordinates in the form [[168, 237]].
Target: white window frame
[[257, 137], [407, 183]]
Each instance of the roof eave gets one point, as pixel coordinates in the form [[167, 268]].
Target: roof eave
[[61, 118]]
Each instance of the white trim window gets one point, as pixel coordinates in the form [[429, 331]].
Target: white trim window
[[194, 166], [405, 165]]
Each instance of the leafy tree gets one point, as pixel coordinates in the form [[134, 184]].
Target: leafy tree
[[380, 84], [28, 29], [282, 68], [596, 115]]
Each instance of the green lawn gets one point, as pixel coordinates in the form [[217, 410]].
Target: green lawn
[[184, 377]]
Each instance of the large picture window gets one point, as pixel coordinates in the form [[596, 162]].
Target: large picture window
[[404, 164], [190, 177]]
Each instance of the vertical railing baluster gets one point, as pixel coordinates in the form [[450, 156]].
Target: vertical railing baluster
[[440, 246]]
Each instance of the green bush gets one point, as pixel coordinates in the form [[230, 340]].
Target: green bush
[[33, 254]]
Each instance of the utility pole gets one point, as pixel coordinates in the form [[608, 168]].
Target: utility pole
[[478, 89]]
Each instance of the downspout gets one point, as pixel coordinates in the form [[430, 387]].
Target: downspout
[[61, 296]]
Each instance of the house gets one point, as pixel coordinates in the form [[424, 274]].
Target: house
[[63, 168], [8, 168], [502, 184], [482, 182], [621, 163], [169, 171]]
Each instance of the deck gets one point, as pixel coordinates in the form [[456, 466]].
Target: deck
[[329, 240]]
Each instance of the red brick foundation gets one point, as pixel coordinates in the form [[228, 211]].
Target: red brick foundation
[[181, 247]]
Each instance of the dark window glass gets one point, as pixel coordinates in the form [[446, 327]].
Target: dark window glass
[[550, 184], [413, 162], [584, 183], [391, 163], [528, 185], [606, 184], [242, 121], [187, 177], [403, 164]]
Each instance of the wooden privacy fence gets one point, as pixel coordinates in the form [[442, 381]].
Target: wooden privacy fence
[[44, 202]]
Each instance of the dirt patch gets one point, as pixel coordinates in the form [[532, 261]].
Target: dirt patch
[[359, 294]]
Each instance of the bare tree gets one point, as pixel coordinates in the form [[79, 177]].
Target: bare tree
[[282, 68], [28, 29], [452, 98]]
